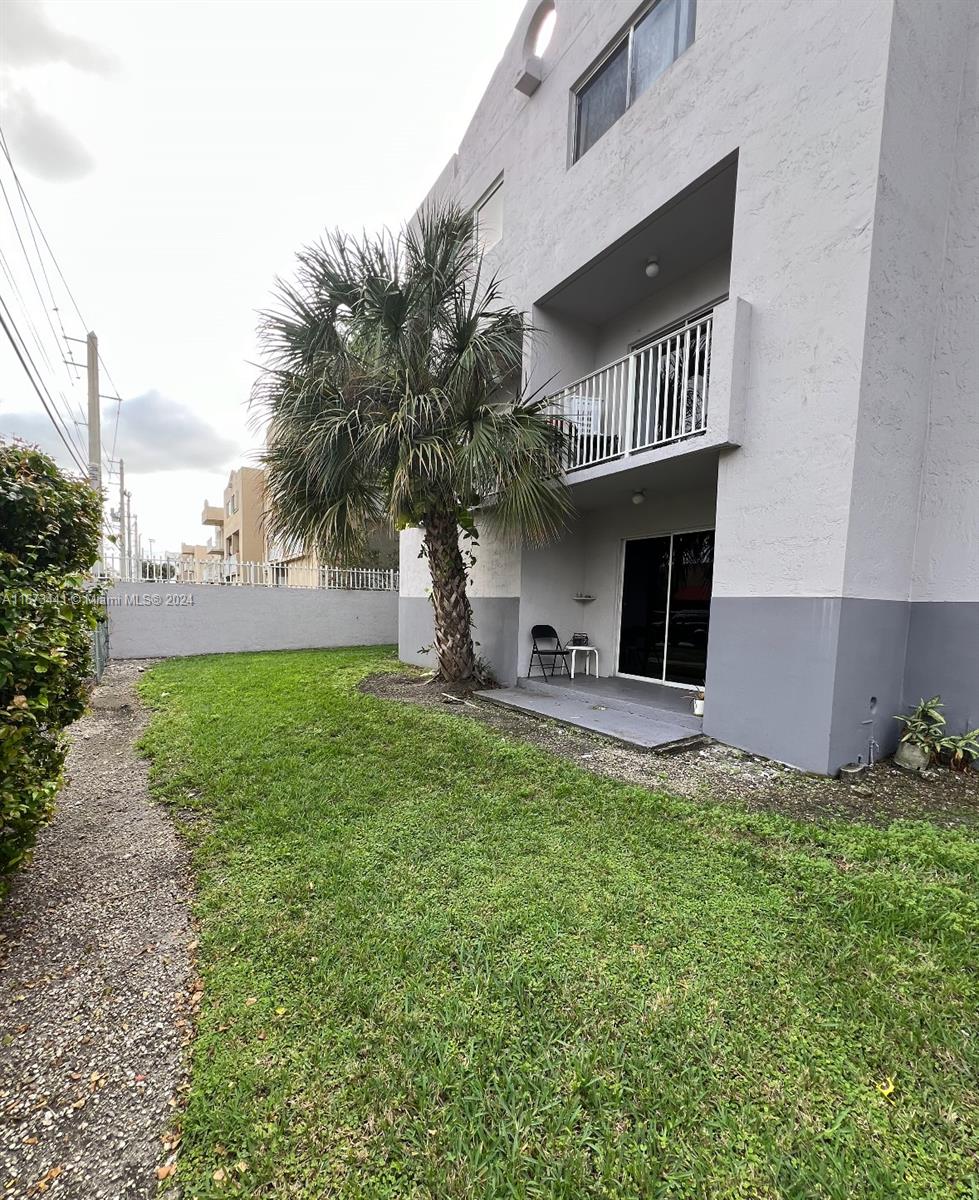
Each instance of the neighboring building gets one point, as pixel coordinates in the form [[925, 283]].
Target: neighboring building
[[240, 537], [196, 564], [239, 521], [750, 262], [295, 566]]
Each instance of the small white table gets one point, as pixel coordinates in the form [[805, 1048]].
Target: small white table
[[586, 651]]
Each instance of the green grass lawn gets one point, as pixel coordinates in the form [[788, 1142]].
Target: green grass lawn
[[438, 963]]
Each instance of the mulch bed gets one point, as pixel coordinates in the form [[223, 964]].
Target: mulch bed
[[96, 991], [716, 773]]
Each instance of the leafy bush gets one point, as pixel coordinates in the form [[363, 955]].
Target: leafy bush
[[49, 537], [924, 724]]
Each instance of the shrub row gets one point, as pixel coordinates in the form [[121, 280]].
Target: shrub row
[[49, 539]]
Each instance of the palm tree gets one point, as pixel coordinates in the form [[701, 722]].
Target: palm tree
[[393, 397]]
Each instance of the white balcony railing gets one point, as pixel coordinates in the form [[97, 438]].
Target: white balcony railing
[[651, 397]]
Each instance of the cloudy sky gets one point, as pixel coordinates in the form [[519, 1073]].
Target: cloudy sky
[[177, 153]]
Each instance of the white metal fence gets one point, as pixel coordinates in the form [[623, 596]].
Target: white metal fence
[[231, 572], [653, 396]]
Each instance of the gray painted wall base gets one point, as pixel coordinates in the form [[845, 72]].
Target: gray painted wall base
[[943, 658], [171, 620], [805, 680], [495, 630]]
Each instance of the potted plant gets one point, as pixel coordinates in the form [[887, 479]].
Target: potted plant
[[962, 749], [920, 740], [698, 703]]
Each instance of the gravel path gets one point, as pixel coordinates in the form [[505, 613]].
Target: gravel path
[[95, 965]]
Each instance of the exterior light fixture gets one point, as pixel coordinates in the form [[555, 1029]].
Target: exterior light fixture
[[651, 268], [639, 496]]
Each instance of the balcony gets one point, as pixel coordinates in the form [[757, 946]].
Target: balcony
[[213, 514], [681, 392]]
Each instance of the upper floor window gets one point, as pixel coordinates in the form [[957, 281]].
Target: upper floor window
[[655, 39], [488, 217]]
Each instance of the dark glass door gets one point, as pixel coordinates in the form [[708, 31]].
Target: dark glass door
[[691, 577], [645, 592], [666, 589]]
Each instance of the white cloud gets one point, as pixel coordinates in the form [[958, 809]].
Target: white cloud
[[155, 434], [40, 142], [30, 40]]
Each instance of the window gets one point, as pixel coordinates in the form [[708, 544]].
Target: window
[[653, 41], [541, 29], [488, 217]]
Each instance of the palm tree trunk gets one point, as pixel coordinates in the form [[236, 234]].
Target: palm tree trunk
[[453, 643]]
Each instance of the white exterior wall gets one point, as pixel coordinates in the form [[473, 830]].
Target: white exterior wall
[[916, 174], [854, 488], [946, 557], [496, 571], [807, 174]]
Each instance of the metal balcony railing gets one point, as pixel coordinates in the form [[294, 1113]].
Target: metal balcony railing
[[651, 397]]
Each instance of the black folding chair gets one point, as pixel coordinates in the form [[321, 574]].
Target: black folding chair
[[556, 652]]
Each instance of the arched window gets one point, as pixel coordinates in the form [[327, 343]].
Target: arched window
[[541, 29]]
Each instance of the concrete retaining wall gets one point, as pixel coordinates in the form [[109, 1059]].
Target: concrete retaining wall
[[173, 620]]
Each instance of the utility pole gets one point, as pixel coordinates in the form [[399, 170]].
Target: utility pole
[[131, 537], [94, 414], [122, 520]]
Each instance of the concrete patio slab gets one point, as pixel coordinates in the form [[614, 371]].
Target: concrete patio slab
[[625, 713]]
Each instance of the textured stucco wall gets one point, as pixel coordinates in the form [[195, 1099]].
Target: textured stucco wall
[[175, 620], [496, 571], [916, 174], [495, 639], [798, 91], [494, 590], [855, 248], [946, 560]]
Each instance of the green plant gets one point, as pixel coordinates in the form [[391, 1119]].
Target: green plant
[[923, 725], [393, 397], [49, 534], [962, 749]]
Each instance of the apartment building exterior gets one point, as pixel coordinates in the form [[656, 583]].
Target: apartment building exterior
[[239, 520], [241, 543], [745, 234]]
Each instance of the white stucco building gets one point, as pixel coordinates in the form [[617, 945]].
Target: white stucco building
[[747, 235]]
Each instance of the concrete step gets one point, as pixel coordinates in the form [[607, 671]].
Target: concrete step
[[648, 729]]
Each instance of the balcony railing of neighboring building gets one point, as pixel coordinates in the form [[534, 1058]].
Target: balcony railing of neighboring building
[[231, 572], [652, 397]]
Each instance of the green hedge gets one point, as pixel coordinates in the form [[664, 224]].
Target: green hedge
[[49, 539]]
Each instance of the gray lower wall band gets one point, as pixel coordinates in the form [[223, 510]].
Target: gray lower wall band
[[806, 680], [943, 658], [495, 632]]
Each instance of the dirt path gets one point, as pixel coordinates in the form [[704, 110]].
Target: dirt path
[[94, 967]]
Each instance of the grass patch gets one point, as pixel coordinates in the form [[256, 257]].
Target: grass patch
[[442, 964]]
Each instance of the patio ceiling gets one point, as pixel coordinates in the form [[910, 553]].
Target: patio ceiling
[[694, 228]]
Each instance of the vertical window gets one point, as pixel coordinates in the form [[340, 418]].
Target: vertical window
[[603, 99], [488, 217], [653, 41]]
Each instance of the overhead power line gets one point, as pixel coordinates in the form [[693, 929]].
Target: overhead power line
[[47, 408], [36, 230]]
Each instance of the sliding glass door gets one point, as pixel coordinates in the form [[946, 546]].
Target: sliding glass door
[[666, 588]]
